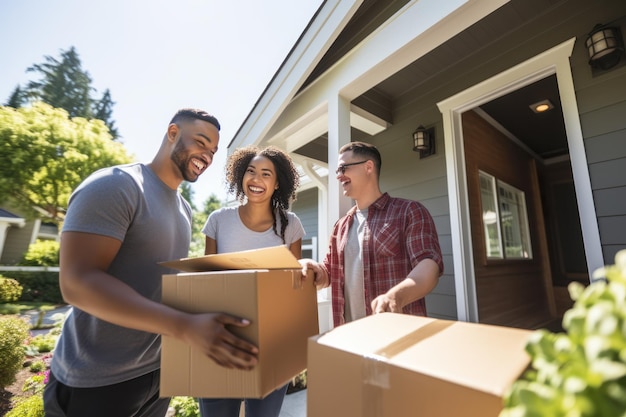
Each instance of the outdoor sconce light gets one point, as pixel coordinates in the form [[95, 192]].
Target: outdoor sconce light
[[605, 47], [424, 141]]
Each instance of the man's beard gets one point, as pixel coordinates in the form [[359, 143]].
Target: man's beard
[[182, 161]]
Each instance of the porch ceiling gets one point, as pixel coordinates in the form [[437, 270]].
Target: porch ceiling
[[544, 133]]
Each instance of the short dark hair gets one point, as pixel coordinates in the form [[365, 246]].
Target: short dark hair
[[367, 150], [189, 114]]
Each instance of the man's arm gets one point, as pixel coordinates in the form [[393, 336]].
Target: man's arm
[[421, 281], [84, 260]]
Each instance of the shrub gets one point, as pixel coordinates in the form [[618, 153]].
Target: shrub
[[42, 253], [10, 290], [582, 372], [43, 343], [185, 407], [13, 332], [29, 407], [42, 286], [36, 383]]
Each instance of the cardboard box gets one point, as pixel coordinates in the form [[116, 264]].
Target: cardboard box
[[402, 366], [282, 311]]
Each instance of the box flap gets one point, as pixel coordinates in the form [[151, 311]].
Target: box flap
[[484, 357], [276, 257]]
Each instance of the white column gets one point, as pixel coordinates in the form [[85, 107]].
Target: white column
[[337, 204], [338, 135]]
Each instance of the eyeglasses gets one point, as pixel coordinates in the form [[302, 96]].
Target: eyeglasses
[[342, 168]]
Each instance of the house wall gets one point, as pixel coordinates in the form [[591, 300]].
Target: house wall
[[602, 106], [305, 207], [17, 239]]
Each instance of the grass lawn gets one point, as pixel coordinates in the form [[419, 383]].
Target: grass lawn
[[20, 307]]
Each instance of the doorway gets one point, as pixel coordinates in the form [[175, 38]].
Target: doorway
[[551, 62], [524, 221]]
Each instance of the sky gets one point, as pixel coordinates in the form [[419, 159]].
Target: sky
[[156, 56]]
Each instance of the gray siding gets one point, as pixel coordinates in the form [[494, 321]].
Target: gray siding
[[602, 106], [305, 207]]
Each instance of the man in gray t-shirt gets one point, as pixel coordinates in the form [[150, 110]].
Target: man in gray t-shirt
[[122, 221]]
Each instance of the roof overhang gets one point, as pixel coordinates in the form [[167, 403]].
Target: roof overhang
[[322, 30]]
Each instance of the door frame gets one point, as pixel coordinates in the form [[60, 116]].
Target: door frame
[[553, 61]]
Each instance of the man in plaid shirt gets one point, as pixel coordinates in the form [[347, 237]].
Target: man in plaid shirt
[[384, 254]]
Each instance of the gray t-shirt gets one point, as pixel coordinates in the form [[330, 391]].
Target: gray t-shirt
[[354, 289], [225, 226], [131, 204]]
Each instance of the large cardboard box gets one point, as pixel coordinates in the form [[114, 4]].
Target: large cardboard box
[[396, 365], [282, 311]]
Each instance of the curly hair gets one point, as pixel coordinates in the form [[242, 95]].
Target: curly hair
[[287, 177]]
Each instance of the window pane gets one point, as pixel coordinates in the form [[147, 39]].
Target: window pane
[[491, 225], [514, 222]]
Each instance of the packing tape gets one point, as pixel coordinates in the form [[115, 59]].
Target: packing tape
[[376, 374], [296, 279]]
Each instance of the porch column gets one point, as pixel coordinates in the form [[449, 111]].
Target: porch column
[[338, 135]]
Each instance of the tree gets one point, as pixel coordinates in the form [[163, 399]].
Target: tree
[[64, 84], [17, 98], [45, 154], [199, 218], [103, 110]]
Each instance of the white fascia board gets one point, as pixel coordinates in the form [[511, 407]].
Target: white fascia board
[[311, 47], [13, 221], [412, 32]]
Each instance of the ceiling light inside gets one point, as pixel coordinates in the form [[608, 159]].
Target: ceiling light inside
[[542, 106]]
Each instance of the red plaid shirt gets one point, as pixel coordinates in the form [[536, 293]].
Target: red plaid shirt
[[398, 234]]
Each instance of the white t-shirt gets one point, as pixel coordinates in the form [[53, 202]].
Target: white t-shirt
[[225, 226]]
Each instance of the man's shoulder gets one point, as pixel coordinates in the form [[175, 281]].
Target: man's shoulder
[[117, 172]]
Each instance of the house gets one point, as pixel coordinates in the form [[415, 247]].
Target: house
[[17, 232], [525, 201]]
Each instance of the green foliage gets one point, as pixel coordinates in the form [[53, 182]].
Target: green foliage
[[40, 286], [199, 219], [65, 85], [10, 290], [37, 366], [13, 333], [28, 407], [45, 154], [36, 383], [185, 407], [582, 372], [42, 253], [42, 343]]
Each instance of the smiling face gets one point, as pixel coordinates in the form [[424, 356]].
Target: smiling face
[[259, 180], [196, 144], [353, 177]]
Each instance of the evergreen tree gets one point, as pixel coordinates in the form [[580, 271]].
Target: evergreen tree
[[103, 110], [17, 98], [63, 84]]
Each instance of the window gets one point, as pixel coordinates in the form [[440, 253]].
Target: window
[[505, 220]]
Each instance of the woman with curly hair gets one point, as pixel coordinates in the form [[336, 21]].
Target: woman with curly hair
[[264, 181]]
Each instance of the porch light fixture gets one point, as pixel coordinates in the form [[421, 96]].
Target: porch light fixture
[[424, 141], [542, 106], [605, 46]]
